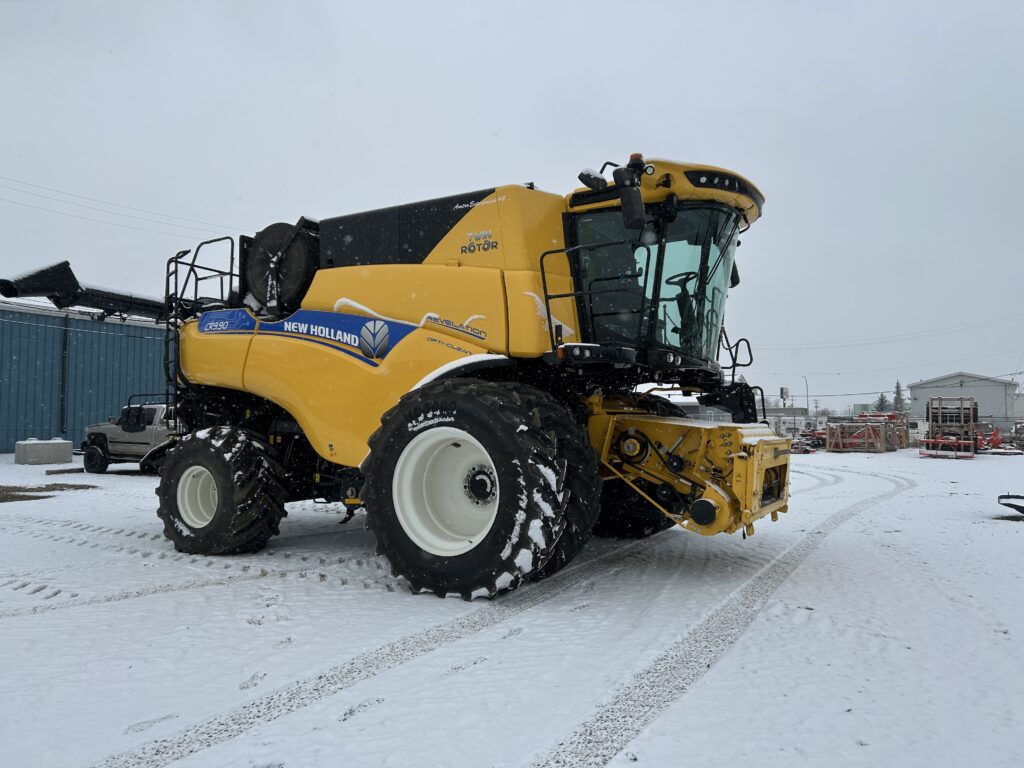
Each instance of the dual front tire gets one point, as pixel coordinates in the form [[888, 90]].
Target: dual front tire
[[469, 487]]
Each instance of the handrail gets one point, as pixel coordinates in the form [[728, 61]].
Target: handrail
[[182, 300], [587, 294]]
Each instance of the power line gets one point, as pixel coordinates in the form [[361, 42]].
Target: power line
[[1021, 359], [103, 210], [893, 368], [929, 386], [60, 328], [976, 325], [126, 207], [179, 235]]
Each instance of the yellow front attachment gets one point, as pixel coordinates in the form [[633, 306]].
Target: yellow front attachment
[[707, 477]]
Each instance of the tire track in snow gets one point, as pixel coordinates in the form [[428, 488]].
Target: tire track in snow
[[24, 525], [336, 531], [653, 689], [303, 693], [42, 589], [142, 592], [279, 546], [91, 537], [102, 542], [822, 479], [102, 539], [78, 526], [322, 573]]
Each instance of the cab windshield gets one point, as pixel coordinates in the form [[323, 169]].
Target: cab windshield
[[669, 291]]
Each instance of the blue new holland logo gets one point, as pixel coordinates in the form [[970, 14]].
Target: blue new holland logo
[[365, 339]]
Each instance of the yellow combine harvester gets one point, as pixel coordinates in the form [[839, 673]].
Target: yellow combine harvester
[[467, 369]]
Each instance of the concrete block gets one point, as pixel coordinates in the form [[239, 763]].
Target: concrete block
[[34, 451]]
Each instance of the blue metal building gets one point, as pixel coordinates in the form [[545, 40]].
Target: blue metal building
[[62, 370]]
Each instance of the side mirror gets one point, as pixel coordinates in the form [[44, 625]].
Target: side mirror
[[734, 278], [133, 419], [634, 216], [593, 180]]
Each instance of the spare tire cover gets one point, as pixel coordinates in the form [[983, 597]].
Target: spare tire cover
[[294, 271]]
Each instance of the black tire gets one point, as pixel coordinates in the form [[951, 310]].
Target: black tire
[[249, 495], [625, 514], [95, 460], [434, 549], [582, 482], [661, 406]]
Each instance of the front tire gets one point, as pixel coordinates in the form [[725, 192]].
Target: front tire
[[465, 488], [95, 460], [220, 493], [582, 483]]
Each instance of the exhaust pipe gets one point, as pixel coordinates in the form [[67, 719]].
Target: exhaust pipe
[[59, 284]]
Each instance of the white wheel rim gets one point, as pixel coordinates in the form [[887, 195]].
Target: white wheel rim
[[197, 497], [445, 491]]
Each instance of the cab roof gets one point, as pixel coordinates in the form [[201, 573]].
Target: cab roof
[[687, 181]]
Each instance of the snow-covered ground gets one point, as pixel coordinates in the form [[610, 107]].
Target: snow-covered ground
[[880, 622]]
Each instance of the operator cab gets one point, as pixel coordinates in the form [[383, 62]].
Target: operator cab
[[665, 291], [652, 258]]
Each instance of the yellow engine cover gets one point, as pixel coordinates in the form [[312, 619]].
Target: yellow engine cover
[[334, 372]]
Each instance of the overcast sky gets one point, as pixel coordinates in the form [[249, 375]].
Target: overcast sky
[[887, 138]]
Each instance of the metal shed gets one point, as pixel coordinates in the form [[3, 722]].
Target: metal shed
[[997, 399], [61, 371]]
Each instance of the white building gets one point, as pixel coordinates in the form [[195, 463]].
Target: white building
[[999, 401]]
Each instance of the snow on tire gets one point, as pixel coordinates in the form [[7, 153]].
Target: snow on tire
[[464, 488], [220, 493], [582, 482]]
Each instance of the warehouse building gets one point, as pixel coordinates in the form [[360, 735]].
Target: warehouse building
[[63, 370], [999, 400]]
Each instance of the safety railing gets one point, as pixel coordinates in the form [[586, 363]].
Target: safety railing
[[585, 297], [189, 287]]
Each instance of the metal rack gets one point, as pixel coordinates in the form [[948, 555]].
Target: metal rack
[[951, 428], [190, 287]]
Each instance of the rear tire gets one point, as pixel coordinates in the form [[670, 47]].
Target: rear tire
[[220, 493], [625, 514], [95, 460], [465, 487]]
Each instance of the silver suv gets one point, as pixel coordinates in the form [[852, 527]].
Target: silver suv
[[129, 437]]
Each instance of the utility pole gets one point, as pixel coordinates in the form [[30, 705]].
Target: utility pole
[[807, 393]]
